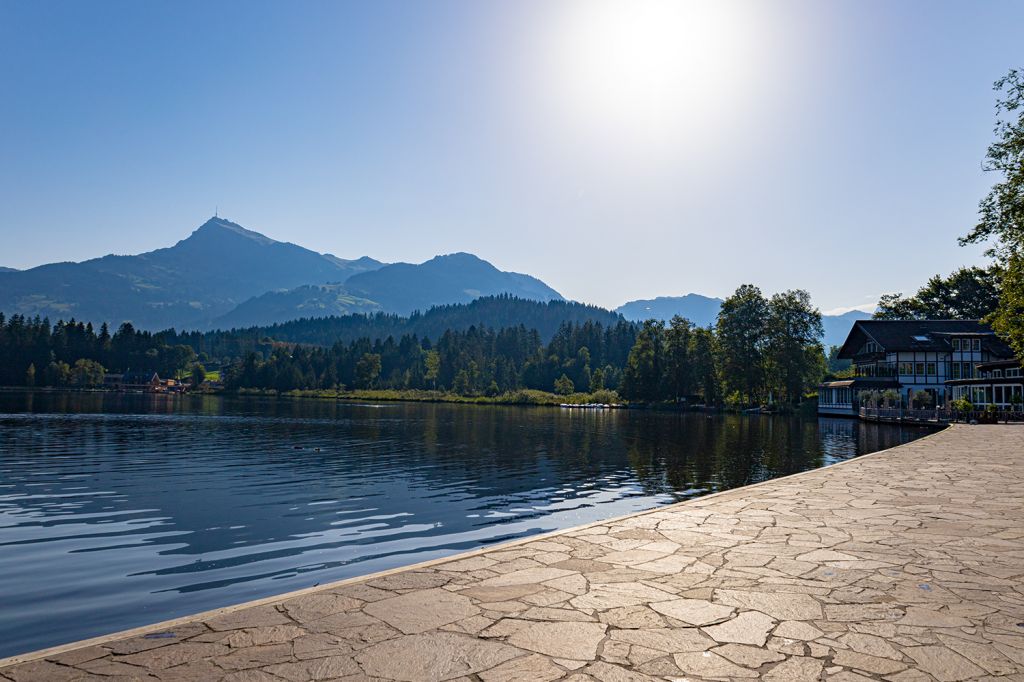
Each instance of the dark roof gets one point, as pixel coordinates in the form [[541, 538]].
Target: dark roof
[[921, 335]]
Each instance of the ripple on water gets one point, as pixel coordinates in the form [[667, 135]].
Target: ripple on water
[[119, 511]]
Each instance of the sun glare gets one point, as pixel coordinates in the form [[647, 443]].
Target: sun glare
[[649, 71]]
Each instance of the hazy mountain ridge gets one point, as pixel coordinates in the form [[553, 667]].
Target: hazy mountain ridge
[[226, 275], [404, 288], [702, 310], [217, 267]]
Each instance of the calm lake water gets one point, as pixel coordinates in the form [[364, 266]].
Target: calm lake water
[[117, 511]]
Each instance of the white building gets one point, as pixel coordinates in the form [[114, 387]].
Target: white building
[[999, 383], [910, 356]]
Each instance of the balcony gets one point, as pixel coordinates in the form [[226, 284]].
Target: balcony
[[877, 369]]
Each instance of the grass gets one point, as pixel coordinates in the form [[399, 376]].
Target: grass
[[519, 397]]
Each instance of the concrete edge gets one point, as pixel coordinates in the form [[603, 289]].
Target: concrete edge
[[285, 596]]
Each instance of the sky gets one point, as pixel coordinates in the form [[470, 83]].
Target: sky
[[615, 149]]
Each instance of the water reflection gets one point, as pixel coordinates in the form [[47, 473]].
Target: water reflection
[[116, 511]]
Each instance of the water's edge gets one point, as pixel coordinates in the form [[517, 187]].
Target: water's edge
[[203, 615]]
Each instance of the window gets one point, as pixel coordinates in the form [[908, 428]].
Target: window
[[1013, 372], [976, 344], [906, 368], [968, 370], [919, 369], [997, 373], [956, 344], [956, 370], [931, 369], [920, 338]]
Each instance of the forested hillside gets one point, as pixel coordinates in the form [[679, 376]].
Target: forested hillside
[[759, 349], [495, 312]]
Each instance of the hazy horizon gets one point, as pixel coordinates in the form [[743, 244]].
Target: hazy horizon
[[615, 150]]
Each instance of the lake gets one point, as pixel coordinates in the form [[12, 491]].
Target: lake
[[117, 511]]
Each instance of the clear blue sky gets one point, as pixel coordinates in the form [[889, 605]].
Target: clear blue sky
[[615, 152]]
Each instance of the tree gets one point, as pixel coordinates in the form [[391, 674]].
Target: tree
[[432, 367], [198, 374], [966, 294], [835, 364], [792, 348], [87, 373], [678, 368], [30, 375], [702, 359], [461, 383], [597, 380], [1008, 318], [641, 379], [1001, 212], [741, 331], [367, 370], [564, 385], [58, 374]]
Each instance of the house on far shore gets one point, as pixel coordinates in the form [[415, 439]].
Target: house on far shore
[[909, 356], [132, 381]]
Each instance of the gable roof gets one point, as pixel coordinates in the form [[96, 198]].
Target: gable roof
[[919, 335]]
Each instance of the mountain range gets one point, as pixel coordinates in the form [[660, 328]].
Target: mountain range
[[702, 311], [225, 276]]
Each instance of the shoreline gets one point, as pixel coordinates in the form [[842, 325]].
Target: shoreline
[[159, 626], [518, 398]]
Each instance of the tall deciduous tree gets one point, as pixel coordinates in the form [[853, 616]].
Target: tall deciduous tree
[[741, 328], [793, 352], [966, 294], [367, 370], [1001, 212]]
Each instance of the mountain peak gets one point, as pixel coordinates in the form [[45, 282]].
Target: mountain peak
[[457, 257], [218, 225]]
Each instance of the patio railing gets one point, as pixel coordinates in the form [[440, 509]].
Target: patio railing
[[941, 415]]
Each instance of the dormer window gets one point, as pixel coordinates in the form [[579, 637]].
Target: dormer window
[[921, 338]]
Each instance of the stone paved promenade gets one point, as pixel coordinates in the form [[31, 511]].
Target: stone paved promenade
[[906, 565]]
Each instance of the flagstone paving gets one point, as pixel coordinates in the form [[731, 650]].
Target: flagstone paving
[[905, 566]]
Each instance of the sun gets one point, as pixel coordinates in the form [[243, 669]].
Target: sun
[[648, 71]]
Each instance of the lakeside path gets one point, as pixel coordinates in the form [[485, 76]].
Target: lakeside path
[[903, 565]]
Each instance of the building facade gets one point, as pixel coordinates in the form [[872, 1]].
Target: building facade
[[904, 359], [998, 383]]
